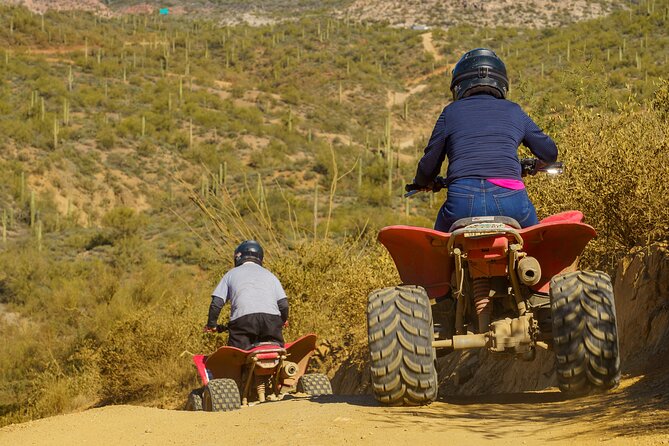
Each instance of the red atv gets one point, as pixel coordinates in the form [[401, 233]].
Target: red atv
[[266, 372], [490, 284]]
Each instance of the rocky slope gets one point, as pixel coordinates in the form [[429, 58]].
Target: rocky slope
[[41, 6], [514, 13], [642, 299], [481, 13]]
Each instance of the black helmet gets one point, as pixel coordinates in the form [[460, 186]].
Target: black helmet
[[248, 251], [479, 70]]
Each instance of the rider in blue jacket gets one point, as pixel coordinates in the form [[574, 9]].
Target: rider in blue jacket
[[479, 133]]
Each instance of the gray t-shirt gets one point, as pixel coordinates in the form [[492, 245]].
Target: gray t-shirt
[[250, 288]]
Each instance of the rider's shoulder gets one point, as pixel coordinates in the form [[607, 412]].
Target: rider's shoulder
[[510, 104]]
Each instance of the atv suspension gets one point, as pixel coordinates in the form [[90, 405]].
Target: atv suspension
[[261, 387], [482, 302]]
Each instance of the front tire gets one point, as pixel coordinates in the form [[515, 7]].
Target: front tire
[[314, 384], [194, 402], [221, 395], [585, 333], [400, 333]]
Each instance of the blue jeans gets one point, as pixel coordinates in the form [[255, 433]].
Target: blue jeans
[[471, 197]]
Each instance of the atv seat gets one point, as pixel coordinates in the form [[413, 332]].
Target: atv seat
[[463, 222], [269, 347]]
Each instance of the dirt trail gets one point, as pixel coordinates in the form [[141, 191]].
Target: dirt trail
[[428, 44], [637, 413], [398, 98]]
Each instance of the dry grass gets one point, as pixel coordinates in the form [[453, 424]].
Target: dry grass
[[616, 168]]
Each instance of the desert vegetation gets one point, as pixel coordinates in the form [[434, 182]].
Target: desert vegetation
[[137, 151]]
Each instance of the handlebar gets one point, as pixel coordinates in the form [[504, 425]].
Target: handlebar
[[220, 328], [529, 166], [532, 166], [438, 184]]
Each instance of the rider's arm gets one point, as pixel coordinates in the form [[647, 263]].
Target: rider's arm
[[539, 143], [430, 164], [283, 309], [281, 299], [214, 311], [218, 299]]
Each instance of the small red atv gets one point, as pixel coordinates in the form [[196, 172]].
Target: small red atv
[[490, 284], [266, 372]]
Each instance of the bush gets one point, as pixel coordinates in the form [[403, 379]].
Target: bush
[[106, 138], [616, 167]]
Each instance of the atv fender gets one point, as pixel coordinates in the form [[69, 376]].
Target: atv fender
[[300, 352], [421, 255], [227, 362]]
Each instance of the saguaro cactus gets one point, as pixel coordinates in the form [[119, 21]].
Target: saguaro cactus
[[316, 211], [387, 134], [22, 188], [66, 111], [55, 132], [39, 236], [70, 79], [32, 208], [4, 226]]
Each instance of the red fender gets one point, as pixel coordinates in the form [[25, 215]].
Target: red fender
[[421, 256], [227, 362]]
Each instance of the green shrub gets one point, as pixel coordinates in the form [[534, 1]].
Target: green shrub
[[616, 166]]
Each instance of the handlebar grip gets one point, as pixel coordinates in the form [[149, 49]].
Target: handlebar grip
[[439, 184], [412, 189]]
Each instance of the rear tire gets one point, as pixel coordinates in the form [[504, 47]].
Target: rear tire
[[314, 384], [194, 402], [400, 333], [585, 333], [221, 395]]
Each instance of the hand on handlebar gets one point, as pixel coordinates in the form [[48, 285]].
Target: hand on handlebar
[[532, 166], [528, 167], [415, 187], [220, 328], [435, 186]]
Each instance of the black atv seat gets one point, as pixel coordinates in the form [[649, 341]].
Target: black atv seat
[[461, 223]]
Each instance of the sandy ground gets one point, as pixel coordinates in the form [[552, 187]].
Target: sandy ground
[[636, 413]]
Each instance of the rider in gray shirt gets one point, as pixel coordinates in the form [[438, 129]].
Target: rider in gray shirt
[[259, 306]]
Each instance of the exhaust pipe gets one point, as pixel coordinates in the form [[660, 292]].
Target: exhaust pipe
[[529, 271], [289, 370]]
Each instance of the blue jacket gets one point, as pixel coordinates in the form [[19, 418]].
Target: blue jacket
[[480, 136]]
